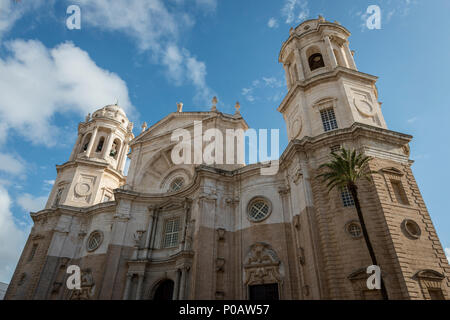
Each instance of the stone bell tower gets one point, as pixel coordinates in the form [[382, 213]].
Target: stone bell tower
[[326, 90], [95, 167]]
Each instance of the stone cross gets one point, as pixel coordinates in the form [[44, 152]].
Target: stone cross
[[237, 107]]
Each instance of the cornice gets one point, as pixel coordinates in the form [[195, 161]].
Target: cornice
[[91, 163], [323, 77], [75, 211], [296, 35]]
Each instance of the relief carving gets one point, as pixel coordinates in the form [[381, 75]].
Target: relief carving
[[262, 265], [220, 265], [87, 287]]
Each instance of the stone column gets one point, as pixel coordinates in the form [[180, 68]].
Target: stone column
[[139, 286], [127, 286], [176, 288], [107, 145], [349, 56], [182, 283], [75, 148], [123, 155], [288, 75], [91, 143], [330, 52], [152, 239], [298, 59], [149, 231]]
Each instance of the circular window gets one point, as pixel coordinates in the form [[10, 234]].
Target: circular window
[[94, 241], [353, 228], [259, 209], [176, 184], [411, 228]]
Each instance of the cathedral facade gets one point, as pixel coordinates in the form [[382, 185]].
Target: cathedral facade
[[225, 231]]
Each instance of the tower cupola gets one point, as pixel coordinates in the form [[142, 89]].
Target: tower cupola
[[96, 165], [326, 90]]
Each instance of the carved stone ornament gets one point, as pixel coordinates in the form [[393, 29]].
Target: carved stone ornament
[[297, 176], [221, 234], [296, 222], [262, 265], [406, 150], [364, 107], [220, 265], [301, 253], [83, 189], [296, 126], [137, 237], [87, 287]]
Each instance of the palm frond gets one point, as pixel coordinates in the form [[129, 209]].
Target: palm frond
[[345, 169]]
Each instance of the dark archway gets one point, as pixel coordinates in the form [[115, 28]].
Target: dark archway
[[316, 61], [164, 291]]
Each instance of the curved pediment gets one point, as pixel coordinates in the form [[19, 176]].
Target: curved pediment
[[392, 170], [429, 274]]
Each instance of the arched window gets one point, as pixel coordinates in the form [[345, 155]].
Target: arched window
[[164, 291], [101, 142], [86, 142], [316, 61], [115, 149]]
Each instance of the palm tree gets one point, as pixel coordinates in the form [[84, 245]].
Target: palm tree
[[344, 171]]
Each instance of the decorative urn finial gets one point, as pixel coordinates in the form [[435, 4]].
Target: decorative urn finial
[[144, 126], [214, 104]]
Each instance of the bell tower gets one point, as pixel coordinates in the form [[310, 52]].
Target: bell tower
[[326, 90], [95, 167]]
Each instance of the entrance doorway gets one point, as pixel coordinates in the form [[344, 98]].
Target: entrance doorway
[[264, 292], [164, 291]]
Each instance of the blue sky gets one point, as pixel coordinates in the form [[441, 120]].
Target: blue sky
[[152, 54]]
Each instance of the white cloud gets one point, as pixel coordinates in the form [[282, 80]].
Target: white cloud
[[29, 203], [12, 11], [412, 120], [147, 21], [37, 82], [209, 5], [49, 182], [447, 253], [295, 11], [11, 165], [248, 94], [156, 27], [12, 238], [272, 23], [266, 88]]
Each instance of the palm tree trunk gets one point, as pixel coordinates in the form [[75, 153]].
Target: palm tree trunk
[[354, 192]]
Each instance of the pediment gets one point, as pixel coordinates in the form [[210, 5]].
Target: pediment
[[358, 274], [393, 171], [171, 122], [429, 274], [174, 204]]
